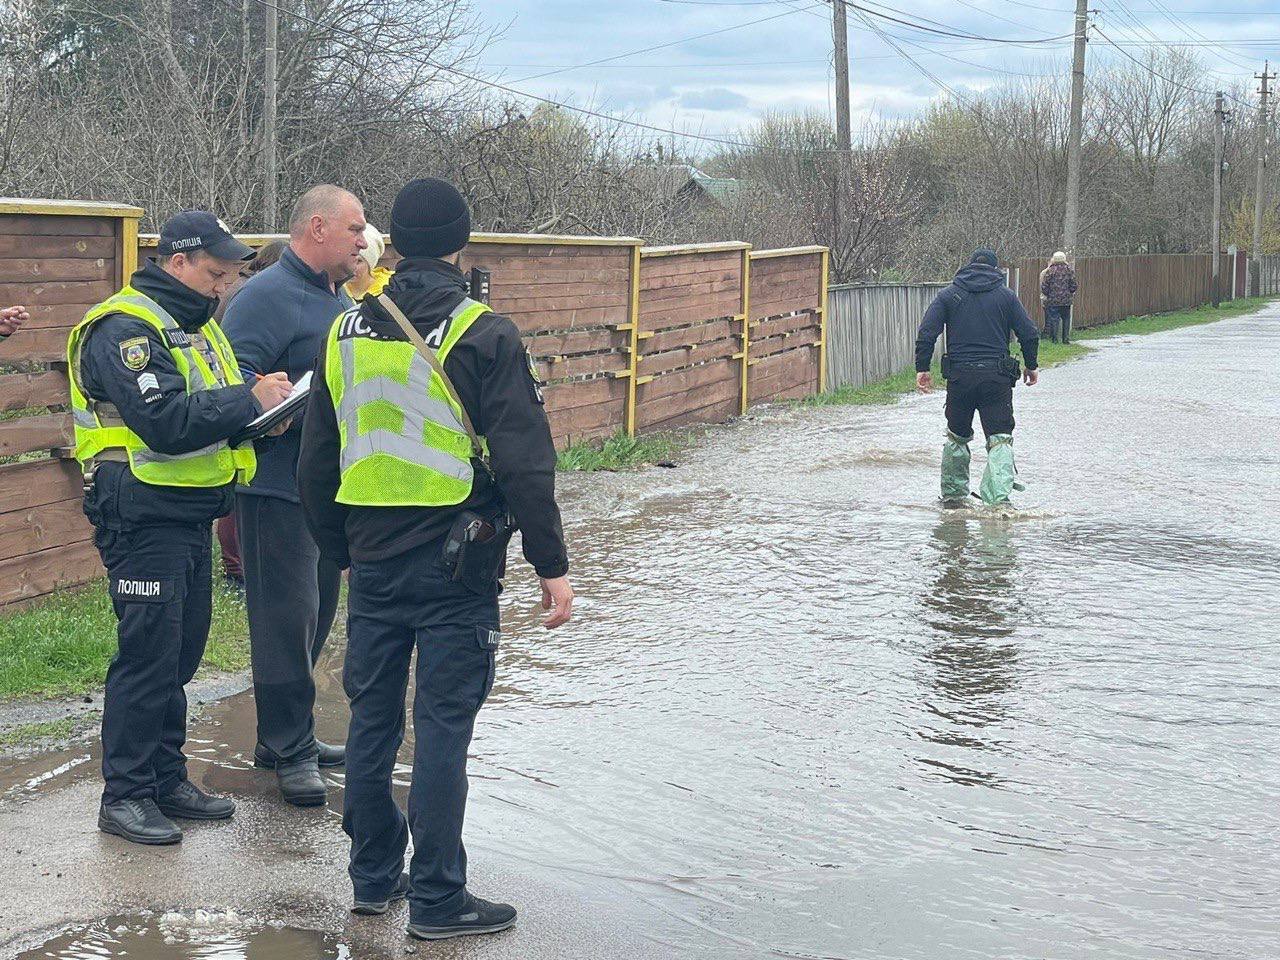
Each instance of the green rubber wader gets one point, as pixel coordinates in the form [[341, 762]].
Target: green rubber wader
[[955, 468], [1001, 476]]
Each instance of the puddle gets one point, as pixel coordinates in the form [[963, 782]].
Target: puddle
[[190, 935]]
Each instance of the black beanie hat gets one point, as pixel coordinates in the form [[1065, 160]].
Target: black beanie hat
[[985, 255], [429, 219]]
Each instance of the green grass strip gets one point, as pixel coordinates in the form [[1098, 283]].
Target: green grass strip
[[62, 644], [620, 452]]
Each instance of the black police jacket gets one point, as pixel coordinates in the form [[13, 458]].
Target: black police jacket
[[154, 403], [491, 372], [978, 311]]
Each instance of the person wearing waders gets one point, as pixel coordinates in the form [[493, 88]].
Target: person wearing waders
[[978, 311], [424, 446]]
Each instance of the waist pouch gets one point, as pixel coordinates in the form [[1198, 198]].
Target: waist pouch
[[1006, 366], [475, 550]]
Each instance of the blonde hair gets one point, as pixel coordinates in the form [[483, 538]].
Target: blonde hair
[[1058, 257]]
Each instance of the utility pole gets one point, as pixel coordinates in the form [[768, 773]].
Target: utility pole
[[1255, 261], [1071, 218], [840, 32], [1219, 123], [270, 173]]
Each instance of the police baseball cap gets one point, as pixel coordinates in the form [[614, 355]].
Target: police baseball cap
[[193, 230]]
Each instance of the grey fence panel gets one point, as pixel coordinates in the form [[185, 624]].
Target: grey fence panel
[[1269, 275], [871, 330]]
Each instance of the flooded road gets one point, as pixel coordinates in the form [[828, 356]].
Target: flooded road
[[802, 712]]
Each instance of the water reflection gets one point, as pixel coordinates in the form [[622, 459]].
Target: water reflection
[[972, 604], [187, 937]]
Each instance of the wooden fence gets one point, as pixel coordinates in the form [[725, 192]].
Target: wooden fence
[[872, 330], [629, 338], [1269, 275], [1112, 288]]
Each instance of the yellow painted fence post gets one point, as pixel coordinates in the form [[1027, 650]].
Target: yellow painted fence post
[[822, 334], [635, 339], [746, 327]]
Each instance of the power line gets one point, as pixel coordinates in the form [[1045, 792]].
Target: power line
[[1156, 73], [948, 31]]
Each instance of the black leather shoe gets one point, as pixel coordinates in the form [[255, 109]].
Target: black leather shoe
[[476, 916], [138, 821], [186, 801], [330, 755], [372, 908], [301, 784]]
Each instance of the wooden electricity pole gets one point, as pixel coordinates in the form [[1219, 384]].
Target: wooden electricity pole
[[1260, 187], [1219, 124], [1071, 217], [270, 173], [840, 33]]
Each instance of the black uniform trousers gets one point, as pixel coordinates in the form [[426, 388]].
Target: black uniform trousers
[[291, 594], [982, 389], [397, 606], [161, 589]]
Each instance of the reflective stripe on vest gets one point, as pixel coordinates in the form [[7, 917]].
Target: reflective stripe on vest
[[426, 460], [99, 427]]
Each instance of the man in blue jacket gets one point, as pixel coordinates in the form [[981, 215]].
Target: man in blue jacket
[[278, 322], [978, 311]]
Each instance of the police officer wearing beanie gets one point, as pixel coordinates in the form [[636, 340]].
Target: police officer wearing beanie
[[414, 480], [979, 313], [155, 395]]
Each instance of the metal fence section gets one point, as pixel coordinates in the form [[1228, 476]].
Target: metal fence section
[[871, 330]]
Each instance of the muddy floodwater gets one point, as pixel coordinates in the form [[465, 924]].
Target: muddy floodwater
[[802, 712]]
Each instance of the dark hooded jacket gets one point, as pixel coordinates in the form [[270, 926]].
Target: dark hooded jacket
[[491, 372], [153, 401], [979, 312]]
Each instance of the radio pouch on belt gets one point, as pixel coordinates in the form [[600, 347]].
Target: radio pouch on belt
[[475, 551]]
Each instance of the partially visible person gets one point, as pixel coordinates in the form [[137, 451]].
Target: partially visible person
[[278, 323], [1057, 290], [370, 279], [978, 312], [11, 318], [156, 394], [225, 528], [420, 506]]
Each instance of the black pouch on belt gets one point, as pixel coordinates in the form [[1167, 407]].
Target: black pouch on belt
[[946, 366], [475, 551], [1010, 367]]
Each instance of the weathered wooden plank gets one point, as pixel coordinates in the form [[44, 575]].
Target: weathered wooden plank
[[691, 378], [544, 321], [39, 225], [45, 269], [26, 245], [21, 390], [781, 325], [654, 364], [37, 574], [56, 291], [580, 366], [694, 313], [691, 336], [39, 528], [677, 281], [37, 482], [586, 422], [27, 434], [63, 316], [707, 403], [576, 341], [696, 263], [582, 393], [791, 341], [41, 346]]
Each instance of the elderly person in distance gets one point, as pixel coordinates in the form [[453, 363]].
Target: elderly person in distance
[[1057, 289]]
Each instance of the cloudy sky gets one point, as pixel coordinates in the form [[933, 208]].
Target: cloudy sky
[[664, 68]]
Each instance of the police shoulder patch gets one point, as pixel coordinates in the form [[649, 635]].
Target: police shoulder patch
[[135, 352]]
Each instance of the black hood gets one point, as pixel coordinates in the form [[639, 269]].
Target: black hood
[[978, 277], [426, 289]]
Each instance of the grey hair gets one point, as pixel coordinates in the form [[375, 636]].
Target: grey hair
[[321, 200]]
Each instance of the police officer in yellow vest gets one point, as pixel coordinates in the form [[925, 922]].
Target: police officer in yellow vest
[[155, 394], [424, 442]]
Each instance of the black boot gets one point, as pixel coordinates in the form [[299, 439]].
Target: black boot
[[138, 821], [186, 801], [329, 755], [372, 908], [301, 784], [476, 916]]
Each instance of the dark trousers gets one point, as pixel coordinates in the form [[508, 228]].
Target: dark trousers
[[291, 594], [395, 607], [989, 392], [160, 584], [1057, 323]]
